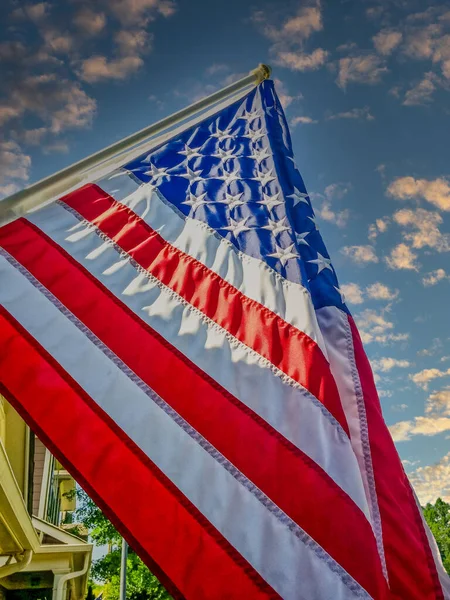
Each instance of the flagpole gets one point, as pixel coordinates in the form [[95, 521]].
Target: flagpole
[[59, 183], [123, 571]]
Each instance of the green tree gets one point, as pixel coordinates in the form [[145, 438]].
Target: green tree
[[141, 583], [437, 516]]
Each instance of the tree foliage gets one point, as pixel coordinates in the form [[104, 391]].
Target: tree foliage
[[437, 516], [141, 583]]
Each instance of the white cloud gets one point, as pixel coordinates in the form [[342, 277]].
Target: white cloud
[[140, 12], [302, 61], [89, 21], [337, 190], [306, 22], [423, 378], [285, 97], [380, 291], [439, 402], [360, 254], [302, 120], [384, 393], [436, 346], [374, 327], [353, 293], [14, 167], [360, 114], [405, 430], [421, 229], [432, 481], [57, 102], [380, 226], [289, 39], [435, 191], [131, 45], [402, 257], [386, 364], [399, 407], [363, 68], [434, 277], [421, 93], [339, 218], [98, 68], [387, 40]]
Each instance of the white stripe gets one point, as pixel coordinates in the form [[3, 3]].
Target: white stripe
[[252, 277], [338, 337], [283, 403], [290, 566]]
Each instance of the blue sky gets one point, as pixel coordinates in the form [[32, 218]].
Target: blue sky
[[366, 89]]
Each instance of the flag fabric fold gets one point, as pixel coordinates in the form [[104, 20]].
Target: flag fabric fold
[[175, 333]]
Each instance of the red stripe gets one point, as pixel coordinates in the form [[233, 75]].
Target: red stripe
[[289, 349], [411, 569], [271, 462], [162, 524]]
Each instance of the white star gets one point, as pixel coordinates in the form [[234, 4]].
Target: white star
[[195, 201], [157, 174], [300, 237], [250, 116], [284, 254], [322, 263], [233, 201], [260, 155], [189, 152], [298, 196], [265, 178], [313, 219], [276, 226], [222, 134], [271, 201], [237, 227], [224, 155], [229, 177], [191, 175], [341, 293], [253, 135]]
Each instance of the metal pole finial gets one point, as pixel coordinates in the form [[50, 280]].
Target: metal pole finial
[[261, 72]]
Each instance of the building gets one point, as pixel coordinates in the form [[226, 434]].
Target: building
[[40, 559]]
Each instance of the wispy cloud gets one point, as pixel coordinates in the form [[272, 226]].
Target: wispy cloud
[[361, 68], [360, 254], [14, 167], [434, 277], [421, 228], [422, 92], [386, 40], [386, 364], [290, 37], [353, 293], [402, 257], [302, 120], [432, 481], [380, 226], [423, 378], [374, 326], [302, 61], [359, 114], [375, 291], [435, 191], [380, 291]]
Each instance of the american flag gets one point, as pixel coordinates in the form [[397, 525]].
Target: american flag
[[176, 334]]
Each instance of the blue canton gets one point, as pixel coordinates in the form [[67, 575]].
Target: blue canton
[[236, 172]]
